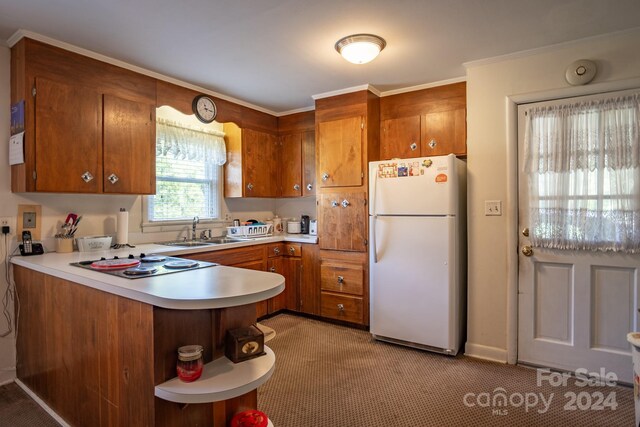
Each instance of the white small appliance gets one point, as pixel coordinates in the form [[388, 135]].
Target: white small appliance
[[417, 252], [313, 227]]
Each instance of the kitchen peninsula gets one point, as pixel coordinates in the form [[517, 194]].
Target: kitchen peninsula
[[101, 350]]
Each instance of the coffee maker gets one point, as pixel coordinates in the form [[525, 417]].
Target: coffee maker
[[304, 224]]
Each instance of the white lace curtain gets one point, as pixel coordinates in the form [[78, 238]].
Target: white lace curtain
[[583, 166], [178, 142]]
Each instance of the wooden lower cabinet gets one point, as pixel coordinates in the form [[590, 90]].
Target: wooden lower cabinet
[[297, 262], [344, 286], [95, 358]]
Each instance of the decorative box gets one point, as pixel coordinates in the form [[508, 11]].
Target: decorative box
[[93, 243], [244, 343]]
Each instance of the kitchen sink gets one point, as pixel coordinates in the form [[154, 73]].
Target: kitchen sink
[[222, 240], [187, 243]]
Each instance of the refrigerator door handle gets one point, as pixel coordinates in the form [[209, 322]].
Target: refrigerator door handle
[[374, 248]]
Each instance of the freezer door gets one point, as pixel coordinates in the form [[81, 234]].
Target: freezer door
[[421, 186], [413, 289]]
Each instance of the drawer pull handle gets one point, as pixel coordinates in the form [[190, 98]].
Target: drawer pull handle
[[276, 251], [292, 250], [340, 280], [272, 269], [340, 307]]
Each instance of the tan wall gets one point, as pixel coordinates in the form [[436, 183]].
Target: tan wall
[[488, 86]]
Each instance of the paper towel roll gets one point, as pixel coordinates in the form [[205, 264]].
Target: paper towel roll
[[122, 235]]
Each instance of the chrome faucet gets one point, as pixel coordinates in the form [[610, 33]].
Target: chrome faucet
[[196, 220]]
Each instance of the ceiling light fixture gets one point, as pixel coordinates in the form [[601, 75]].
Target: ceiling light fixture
[[360, 48]]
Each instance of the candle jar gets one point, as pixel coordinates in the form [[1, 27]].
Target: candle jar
[[190, 364]]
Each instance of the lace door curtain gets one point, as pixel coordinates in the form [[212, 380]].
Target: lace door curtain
[[583, 166]]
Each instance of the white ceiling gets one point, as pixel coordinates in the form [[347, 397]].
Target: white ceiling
[[275, 54]]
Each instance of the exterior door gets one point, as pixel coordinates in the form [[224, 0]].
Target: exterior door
[[575, 307]]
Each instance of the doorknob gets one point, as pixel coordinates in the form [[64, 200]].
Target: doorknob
[[527, 251], [525, 232]]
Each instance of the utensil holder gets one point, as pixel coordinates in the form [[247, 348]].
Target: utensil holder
[[64, 245]]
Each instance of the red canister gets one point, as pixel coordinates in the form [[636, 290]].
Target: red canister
[[250, 418], [189, 362]]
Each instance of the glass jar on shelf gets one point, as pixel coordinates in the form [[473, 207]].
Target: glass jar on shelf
[[190, 363]]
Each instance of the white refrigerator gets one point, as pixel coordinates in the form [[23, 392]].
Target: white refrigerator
[[417, 252]]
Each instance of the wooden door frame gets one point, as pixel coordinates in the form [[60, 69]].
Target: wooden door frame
[[511, 106]]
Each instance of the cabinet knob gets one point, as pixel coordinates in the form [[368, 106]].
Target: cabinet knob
[[340, 280], [249, 186], [292, 250], [433, 143], [296, 187], [345, 203], [334, 203], [86, 176], [340, 307], [113, 178], [309, 187], [272, 269], [276, 251], [325, 176], [413, 146]]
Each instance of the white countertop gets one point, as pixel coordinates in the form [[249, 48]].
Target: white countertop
[[213, 287]]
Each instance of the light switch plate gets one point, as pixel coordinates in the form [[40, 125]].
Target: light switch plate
[[29, 218], [493, 207]]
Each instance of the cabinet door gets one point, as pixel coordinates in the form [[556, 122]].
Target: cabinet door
[[309, 290], [129, 146], [290, 165], [259, 159], [340, 152], [342, 221], [292, 268], [400, 138], [309, 164], [279, 302], [444, 132], [68, 138]]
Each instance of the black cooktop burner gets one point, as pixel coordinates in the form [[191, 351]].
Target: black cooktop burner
[[134, 267]]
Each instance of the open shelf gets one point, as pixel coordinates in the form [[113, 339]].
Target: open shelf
[[221, 380]]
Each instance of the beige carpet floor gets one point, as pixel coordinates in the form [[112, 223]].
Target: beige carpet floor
[[17, 409], [328, 376]]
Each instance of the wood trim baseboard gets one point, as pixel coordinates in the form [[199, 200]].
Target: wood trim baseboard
[[485, 352]]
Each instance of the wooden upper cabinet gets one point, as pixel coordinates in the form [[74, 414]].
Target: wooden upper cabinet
[[68, 138], [444, 132], [290, 165], [340, 145], [250, 170], [259, 173], [342, 221], [308, 164], [129, 146], [400, 138]]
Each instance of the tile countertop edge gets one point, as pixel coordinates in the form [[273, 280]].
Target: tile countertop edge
[[211, 291]]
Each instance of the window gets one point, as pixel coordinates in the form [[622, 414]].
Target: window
[[583, 164], [188, 173]]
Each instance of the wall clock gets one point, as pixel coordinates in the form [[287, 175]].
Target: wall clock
[[204, 108]]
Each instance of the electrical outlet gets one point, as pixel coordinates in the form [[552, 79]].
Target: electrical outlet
[[227, 216], [493, 207], [8, 222]]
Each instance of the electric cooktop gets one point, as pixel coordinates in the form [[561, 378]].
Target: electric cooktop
[[135, 267]]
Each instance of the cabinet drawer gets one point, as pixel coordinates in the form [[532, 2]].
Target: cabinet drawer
[[231, 256], [293, 249], [275, 249], [341, 307], [343, 278]]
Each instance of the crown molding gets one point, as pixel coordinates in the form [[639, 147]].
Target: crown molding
[[368, 87], [423, 86]]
